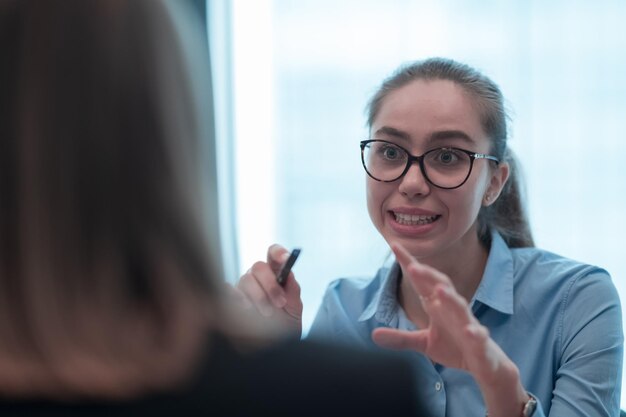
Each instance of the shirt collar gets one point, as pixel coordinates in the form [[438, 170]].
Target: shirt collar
[[495, 289]]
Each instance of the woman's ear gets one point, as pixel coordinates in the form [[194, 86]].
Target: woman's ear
[[499, 177]]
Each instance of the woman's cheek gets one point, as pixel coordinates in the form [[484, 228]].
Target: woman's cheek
[[376, 195]]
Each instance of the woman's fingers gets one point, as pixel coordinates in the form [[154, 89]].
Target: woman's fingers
[[451, 308], [454, 337], [277, 255], [477, 352], [400, 339], [251, 287], [266, 279], [261, 289], [238, 296], [423, 278]]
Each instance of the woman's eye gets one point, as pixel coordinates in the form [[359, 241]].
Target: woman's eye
[[391, 153], [446, 156]]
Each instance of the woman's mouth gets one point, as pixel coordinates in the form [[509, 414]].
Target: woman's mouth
[[414, 219]]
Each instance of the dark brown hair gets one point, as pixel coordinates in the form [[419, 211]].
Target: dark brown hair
[[105, 277], [507, 214]]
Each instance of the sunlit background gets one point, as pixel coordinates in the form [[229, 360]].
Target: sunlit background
[[292, 79]]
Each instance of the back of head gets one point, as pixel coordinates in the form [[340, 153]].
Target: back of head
[[104, 278], [507, 214]]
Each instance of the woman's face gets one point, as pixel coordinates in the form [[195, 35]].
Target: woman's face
[[432, 222]]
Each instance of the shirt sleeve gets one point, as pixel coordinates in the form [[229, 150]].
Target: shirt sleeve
[[589, 373]]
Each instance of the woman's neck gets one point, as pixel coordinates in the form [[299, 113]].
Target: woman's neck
[[464, 267]]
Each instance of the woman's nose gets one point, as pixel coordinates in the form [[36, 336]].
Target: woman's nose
[[414, 183]]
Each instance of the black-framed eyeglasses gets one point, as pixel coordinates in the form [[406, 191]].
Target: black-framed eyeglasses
[[445, 167]]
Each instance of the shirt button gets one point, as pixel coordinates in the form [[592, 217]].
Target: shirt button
[[438, 386]]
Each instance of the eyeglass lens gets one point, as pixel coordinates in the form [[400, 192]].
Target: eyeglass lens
[[443, 167]]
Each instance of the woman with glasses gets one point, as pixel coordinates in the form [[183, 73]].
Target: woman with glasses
[[492, 324]]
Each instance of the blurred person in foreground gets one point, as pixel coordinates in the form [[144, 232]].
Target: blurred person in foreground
[[111, 300]]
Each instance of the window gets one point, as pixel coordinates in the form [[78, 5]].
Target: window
[[303, 71]]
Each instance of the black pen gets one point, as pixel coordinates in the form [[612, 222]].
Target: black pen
[[281, 278]]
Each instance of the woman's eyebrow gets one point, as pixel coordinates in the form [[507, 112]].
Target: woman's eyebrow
[[433, 137], [450, 134], [392, 131]]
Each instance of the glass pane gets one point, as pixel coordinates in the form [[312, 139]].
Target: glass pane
[[304, 71]]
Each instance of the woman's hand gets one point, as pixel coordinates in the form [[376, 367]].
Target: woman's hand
[[455, 338], [258, 289]]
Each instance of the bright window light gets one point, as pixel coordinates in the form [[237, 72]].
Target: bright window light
[[304, 70]]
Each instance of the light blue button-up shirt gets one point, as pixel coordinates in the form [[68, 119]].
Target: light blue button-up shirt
[[559, 320]]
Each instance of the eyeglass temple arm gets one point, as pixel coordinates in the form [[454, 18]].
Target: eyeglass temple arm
[[485, 156]]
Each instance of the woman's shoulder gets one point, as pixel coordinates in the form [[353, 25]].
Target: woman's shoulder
[[540, 273], [280, 379], [548, 263]]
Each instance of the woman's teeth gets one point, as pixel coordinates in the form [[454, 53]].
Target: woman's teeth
[[410, 219]]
